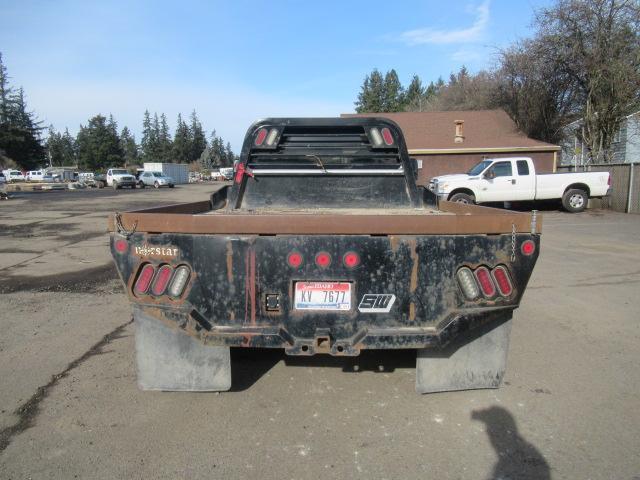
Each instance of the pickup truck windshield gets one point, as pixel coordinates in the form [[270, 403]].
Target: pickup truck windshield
[[478, 168], [119, 172]]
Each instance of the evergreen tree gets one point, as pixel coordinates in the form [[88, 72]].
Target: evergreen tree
[[372, 94], [198, 139], [129, 147], [68, 148], [164, 141], [98, 147], [182, 142], [230, 157], [393, 99], [19, 129], [414, 95], [149, 143], [53, 147]]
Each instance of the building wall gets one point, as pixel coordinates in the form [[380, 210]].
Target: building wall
[[434, 165]]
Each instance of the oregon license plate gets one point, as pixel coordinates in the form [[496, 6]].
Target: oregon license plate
[[323, 296]]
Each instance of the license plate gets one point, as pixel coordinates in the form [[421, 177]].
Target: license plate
[[323, 296]]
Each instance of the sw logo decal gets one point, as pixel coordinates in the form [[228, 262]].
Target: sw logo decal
[[376, 303]]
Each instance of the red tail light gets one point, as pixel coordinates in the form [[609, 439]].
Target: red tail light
[[294, 259], [528, 247], [262, 134], [323, 259], [484, 280], [501, 277], [351, 259], [386, 135], [144, 279], [162, 280]]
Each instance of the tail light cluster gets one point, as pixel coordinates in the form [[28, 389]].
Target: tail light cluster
[[485, 282], [323, 259], [266, 138], [163, 280], [381, 137]]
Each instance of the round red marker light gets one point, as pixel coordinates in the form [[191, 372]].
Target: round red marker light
[[528, 247], [121, 246], [351, 259], [294, 259], [323, 259]]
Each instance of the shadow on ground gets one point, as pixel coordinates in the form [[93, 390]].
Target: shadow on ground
[[249, 365], [517, 458]]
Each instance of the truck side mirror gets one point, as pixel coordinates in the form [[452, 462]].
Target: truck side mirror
[[490, 174]]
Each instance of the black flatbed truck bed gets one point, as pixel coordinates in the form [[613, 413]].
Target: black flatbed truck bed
[[400, 287]]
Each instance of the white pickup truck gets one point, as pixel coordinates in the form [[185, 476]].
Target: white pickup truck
[[515, 179]]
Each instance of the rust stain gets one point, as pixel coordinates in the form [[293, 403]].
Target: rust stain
[[230, 261], [413, 282], [394, 242], [252, 285]]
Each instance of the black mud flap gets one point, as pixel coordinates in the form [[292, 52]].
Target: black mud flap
[[473, 361], [169, 360]]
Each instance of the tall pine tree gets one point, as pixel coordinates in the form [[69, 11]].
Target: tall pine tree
[[20, 140], [129, 148], [198, 139], [182, 142]]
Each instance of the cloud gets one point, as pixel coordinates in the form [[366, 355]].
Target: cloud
[[430, 35]]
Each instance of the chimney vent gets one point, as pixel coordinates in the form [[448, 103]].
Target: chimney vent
[[459, 138]]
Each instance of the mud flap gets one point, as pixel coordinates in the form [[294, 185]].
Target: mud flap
[[170, 360], [475, 361]]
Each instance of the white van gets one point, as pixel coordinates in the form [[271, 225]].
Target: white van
[[13, 176], [39, 176]]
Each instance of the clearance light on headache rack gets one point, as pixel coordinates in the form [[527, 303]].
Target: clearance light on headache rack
[[272, 137], [376, 137], [386, 135], [262, 134]]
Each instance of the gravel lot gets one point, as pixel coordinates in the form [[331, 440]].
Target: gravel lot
[[70, 408]]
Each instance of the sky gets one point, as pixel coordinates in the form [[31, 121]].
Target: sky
[[235, 62]]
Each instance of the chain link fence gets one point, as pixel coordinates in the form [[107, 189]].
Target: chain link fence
[[625, 182]]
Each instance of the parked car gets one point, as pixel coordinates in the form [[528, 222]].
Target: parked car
[[515, 179], [3, 179], [155, 179], [120, 177], [39, 176], [13, 176]]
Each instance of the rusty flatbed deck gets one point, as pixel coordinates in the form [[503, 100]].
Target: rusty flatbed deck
[[449, 218]]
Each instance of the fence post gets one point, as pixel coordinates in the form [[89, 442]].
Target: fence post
[[629, 194]]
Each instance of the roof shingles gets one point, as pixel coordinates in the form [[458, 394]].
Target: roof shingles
[[436, 130]]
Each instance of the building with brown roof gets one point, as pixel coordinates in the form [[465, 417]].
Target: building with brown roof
[[454, 141]]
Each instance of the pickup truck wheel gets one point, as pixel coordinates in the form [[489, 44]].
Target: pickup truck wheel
[[156, 185], [141, 184], [115, 185], [463, 198], [575, 200]]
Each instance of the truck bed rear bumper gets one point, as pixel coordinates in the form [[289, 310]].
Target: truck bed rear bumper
[[374, 337]]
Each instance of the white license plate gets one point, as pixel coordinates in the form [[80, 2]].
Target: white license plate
[[323, 296]]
